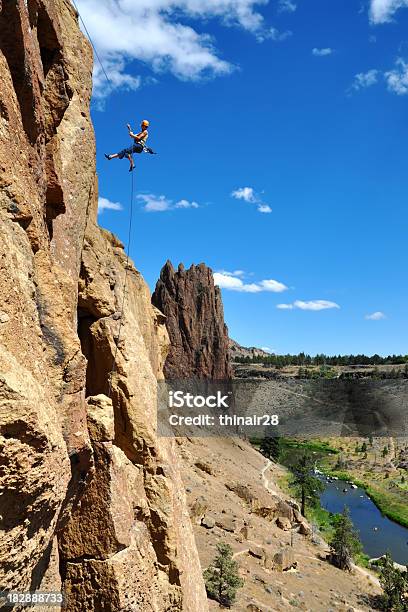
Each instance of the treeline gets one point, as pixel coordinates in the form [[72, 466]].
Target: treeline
[[303, 359]]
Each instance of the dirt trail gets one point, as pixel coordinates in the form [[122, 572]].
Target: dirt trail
[[304, 395], [240, 552], [265, 480], [366, 573], [391, 444]]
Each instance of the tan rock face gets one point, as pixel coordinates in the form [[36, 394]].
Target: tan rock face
[[256, 551], [198, 510], [285, 559], [228, 523], [195, 322], [90, 499], [44, 93], [283, 523]]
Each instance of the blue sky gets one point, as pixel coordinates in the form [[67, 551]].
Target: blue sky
[[281, 131]]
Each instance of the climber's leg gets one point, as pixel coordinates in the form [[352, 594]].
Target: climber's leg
[[132, 163], [128, 153], [122, 154]]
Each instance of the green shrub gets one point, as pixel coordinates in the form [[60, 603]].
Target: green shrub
[[395, 586], [222, 579], [345, 543]]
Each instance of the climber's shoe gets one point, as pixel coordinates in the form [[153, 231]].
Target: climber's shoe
[[132, 168], [108, 156]]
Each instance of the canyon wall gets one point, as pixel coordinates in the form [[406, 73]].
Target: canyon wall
[[194, 314], [238, 351], [91, 500]]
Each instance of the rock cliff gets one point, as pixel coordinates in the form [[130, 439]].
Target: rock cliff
[[194, 314], [91, 500], [238, 351]]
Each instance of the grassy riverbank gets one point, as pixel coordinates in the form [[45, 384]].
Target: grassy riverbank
[[320, 518], [384, 484], [387, 487], [370, 464], [390, 504], [313, 446], [317, 516]]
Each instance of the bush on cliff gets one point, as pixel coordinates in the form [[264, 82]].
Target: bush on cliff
[[395, 585], [345, 544], [221, 578]]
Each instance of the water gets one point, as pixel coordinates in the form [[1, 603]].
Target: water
[[378, 534]]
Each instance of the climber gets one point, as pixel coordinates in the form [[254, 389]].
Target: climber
[[138, 146]]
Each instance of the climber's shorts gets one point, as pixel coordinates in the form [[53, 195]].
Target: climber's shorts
[[136, 148]]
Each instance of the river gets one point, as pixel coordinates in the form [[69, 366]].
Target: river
[[378, 533]]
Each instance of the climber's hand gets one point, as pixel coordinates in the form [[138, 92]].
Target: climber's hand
[[128, 127]]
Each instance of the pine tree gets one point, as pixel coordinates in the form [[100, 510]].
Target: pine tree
[[221, 578], [270, 446], [308, 486], [345, 543], [395, 586]]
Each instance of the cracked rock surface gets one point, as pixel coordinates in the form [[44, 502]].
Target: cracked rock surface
[[91, 500]]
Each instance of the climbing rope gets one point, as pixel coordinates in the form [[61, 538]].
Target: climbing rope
[[92, 43], [129, 242]]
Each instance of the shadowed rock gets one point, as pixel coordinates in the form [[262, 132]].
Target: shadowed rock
[[194, 314]]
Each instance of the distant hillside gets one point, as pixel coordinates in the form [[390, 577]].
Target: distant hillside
[[238, 351]]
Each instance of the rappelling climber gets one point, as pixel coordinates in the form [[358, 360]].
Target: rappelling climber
[[138, 146]]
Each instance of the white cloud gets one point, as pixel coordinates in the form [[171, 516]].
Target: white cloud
[[315, 305], [234, 273], [287, 6], [226, 280], [322, 52], [275, 35], [244, 193], [154, 203], [376, 316], [186, 204], [382, 11], [249, 195], [397, 79], [273, 285], [159, 33], [105, 204], [362, 80], [114, 68]]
